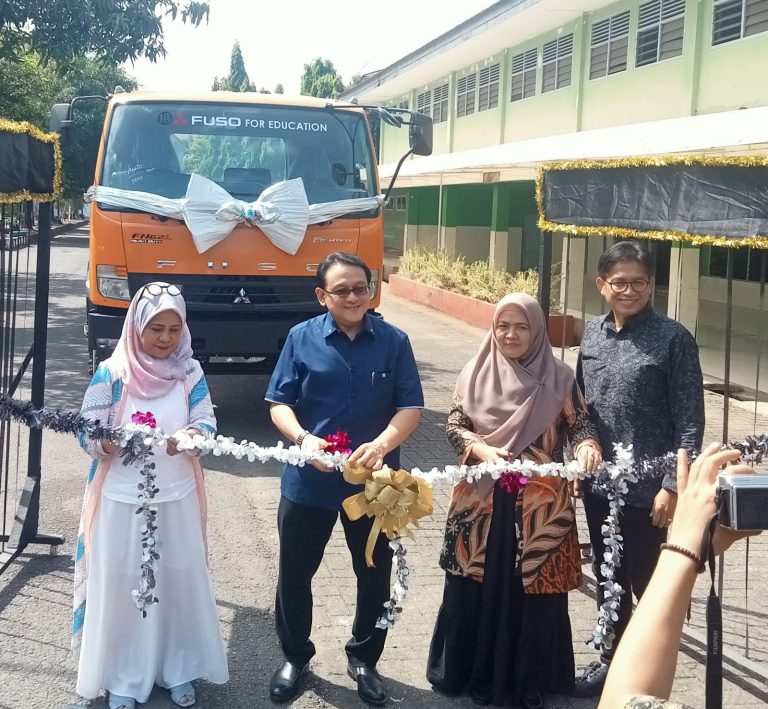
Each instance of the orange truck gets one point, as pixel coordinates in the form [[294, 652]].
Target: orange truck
[[244, 294]]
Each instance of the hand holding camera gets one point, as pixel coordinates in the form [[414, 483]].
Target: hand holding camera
[[700, 489]]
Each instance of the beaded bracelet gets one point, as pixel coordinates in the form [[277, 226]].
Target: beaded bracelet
[[685, 552]]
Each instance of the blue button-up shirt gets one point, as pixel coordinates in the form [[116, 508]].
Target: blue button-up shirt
[[332, 383]]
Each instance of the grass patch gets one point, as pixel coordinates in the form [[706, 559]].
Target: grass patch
[[477, 279]]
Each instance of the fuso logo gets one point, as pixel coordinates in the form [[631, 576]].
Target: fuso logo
[[167, 119], [219, 121]]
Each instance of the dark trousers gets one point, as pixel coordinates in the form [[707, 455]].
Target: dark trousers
[[304, 532], [638, 559]]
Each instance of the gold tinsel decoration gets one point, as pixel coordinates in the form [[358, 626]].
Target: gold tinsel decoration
[[758, 242], [37, 134]]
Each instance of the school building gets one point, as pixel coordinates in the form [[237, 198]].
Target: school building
[[529, 81]]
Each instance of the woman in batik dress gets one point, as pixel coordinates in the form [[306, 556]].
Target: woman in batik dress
[[511, 551]]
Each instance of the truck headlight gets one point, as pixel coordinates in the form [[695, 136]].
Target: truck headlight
[[112, 283]]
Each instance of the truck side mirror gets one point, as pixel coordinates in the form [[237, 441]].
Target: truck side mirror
[[420, 134], [61, 120]]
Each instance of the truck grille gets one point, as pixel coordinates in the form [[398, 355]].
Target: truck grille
[[239, 294]]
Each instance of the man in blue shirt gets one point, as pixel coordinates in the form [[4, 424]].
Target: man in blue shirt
[[351, 371]]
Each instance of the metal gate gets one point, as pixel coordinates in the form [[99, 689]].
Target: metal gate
[[25, 247]]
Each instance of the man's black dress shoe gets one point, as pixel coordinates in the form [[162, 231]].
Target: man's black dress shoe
[[592, 680], [369, 684], [284, 684]]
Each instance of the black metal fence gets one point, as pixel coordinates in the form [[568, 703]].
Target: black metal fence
[[25, 247]]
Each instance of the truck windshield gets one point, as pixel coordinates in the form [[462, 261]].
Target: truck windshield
[[155, 147]]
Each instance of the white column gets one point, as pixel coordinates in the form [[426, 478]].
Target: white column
[[449, 241], [573, 268], [515, 249], [498, 253], [409, 236], [683, 303]]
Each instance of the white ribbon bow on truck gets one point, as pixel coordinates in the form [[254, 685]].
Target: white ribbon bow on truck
[[282, 211]]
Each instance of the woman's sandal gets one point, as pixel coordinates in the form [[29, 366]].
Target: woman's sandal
[[118, 702], [183, 695]]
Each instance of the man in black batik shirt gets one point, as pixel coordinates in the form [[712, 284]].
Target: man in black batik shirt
[[642, 379]]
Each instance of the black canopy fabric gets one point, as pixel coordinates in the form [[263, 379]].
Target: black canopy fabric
[[30, 163], [698, 199]]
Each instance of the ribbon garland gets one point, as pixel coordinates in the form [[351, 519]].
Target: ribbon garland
[[385, 496], [136, 446]]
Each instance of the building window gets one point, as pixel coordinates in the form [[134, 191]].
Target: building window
[[400, 203], [424, 103], [747, 263], [734, 19], [524, 75], [440, 104], [660, 31], [557, 60], [488, 95], [466, 91], [610, 40], [403, 104]]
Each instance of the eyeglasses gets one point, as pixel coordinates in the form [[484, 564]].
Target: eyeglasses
[[343, 293], [621, 286], [158, 289]]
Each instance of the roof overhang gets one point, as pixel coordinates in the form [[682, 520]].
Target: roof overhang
[[502, 25], [728, 133]]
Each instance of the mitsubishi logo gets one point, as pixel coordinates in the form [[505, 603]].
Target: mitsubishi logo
[[242, 297]]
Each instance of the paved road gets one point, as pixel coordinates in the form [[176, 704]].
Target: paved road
[[36, 669]]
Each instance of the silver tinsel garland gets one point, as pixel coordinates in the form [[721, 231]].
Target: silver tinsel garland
[[137, 441]]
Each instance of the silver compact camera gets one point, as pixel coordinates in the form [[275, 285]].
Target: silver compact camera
[[743, 501]]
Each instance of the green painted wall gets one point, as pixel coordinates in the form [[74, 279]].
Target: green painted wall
[[423, 205], [480, 128], [703, 79], [394, 222], [394, 141], [648, 93], [474, 204], [731, 75], [522, 201], [545, 113]]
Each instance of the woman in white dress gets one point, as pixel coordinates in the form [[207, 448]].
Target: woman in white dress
[[178, 640]]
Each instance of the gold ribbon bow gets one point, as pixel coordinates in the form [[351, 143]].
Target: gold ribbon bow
[[395, 499]]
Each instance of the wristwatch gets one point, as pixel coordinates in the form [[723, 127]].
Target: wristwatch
[[301, 437]]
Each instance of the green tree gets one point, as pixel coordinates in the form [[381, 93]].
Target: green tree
[[209, 155], [354, 81], [237, 79], [321, 79], [87, 77], [112, 30], [279, 89], [29, 87]]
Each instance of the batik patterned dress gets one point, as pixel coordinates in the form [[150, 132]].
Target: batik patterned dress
[[510, 559]]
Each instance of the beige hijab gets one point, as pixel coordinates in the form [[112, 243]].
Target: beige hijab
[[512, 402]]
